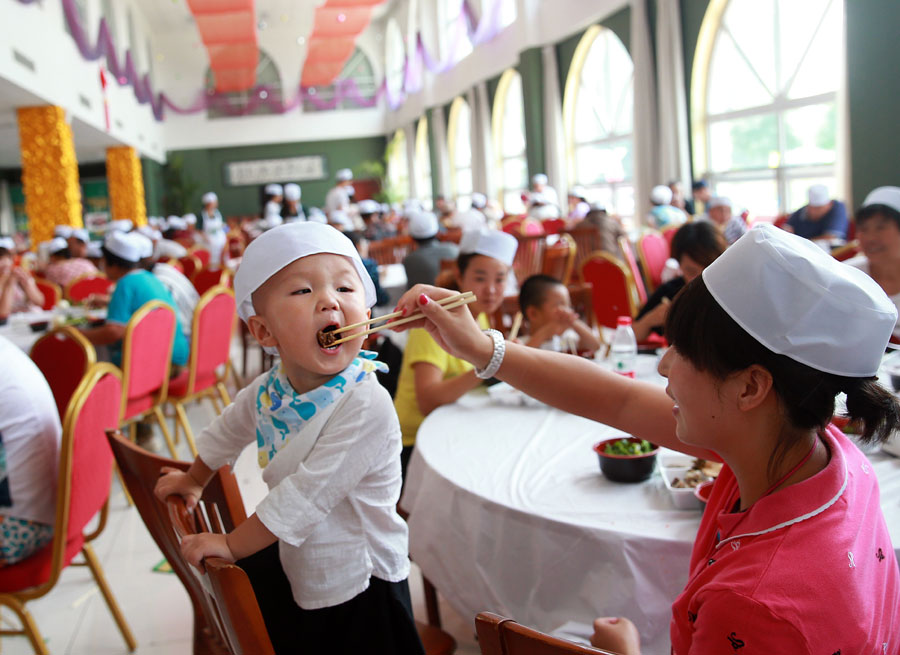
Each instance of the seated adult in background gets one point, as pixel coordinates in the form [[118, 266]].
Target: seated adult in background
[[540, 184], [362, 247], [424, 263], [695, 246], [541, 208], [552, 323], [678, 199], [663, 214], [78, 243], [18, 290], [64, 268], [292, 209], [122, 253], [168, 247], [822, 218], [700, 193], [472, 218], [444, 209], [429, 377], [878, 231], [374, 227], [182, 291], [609, 228], [578, 204], [720, 214], [29, 455]]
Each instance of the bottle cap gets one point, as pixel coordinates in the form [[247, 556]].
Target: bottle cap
[[623, 320]]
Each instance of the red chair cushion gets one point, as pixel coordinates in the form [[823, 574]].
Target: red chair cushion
[[178, 386], [36, 569], [136, 406]]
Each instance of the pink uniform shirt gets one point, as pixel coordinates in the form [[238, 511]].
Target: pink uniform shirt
[[807, 569], [66, 270]]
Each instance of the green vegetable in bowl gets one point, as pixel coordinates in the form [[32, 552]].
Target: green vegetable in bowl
[[627, 447]]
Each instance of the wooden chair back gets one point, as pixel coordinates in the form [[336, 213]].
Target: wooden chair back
[[529, 256], [503, 318], [501, 636], [587, 240], [559, 259], [613, 290], [452, 235], [147, 357], [140, 471], [83, 286], [63, 356], [51, 291]]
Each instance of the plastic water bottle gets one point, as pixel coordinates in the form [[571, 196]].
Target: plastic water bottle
[[624, 348]]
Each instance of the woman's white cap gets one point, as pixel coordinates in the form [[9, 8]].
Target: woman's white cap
[[368, 206], [150, 232], [344, 175], [81, 234], [56, 244], [888, 196], [539, 178], [798, 301], [718, 201], [661, 195], [63, 231], [8, 243], [95, 249], [274, 189], [292, 192], [130, 246], [422, 225], [818, 195], [479, 201], [190, 219], [282, 245], [121, 225], [176, 223], [492, 243], [209, 197]]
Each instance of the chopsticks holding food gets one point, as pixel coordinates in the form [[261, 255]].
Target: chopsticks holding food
[[328, 339]]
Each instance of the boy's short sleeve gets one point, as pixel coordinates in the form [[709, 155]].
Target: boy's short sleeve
[[420, 347], [121, 305]]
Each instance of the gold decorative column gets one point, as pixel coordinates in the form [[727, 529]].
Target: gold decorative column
[[126, 185], [49, 171]]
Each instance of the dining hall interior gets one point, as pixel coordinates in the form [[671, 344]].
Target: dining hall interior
[[539, 243]]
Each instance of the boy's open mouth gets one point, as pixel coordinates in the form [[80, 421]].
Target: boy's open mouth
[[326, 336]]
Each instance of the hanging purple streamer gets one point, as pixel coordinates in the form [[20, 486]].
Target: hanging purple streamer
[[263, 96]]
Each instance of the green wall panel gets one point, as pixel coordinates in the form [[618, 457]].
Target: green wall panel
[[531, 69], [204, 169], [153, 186]]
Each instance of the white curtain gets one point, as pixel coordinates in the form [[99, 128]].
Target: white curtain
[[410, 133], [554, 138], [441, 152], [673, 154], [646, 151]]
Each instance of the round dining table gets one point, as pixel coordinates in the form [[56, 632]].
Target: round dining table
[[509, 513], [18, 327]]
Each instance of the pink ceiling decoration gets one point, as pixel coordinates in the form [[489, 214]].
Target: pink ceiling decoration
[[337, 25], [228, 30]]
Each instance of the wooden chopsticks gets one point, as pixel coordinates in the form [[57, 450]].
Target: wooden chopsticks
[[451, 302]]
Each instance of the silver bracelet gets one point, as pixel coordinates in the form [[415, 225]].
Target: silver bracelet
[[493, 366]]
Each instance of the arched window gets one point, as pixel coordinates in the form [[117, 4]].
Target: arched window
[[397, 167], [268, 86], [597, 113], [508, 127], [395, 59], [459, 146], [454, 31], [764, 92], [359, 69], [423, 164]]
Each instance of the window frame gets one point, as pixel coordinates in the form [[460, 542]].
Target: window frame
[[422, 164], [452, 128], [501, 157], [396, 155]]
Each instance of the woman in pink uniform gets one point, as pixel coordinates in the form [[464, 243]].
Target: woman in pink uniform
[[793, 554]]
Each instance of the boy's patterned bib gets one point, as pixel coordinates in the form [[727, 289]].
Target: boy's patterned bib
[[283, 413]]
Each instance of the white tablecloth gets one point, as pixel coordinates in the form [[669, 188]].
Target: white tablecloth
[[510, 513], [18, 327]]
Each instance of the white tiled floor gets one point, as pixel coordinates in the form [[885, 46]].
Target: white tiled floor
[[74, 619]]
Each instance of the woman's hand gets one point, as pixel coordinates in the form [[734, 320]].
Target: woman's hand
[[178, 483], [195, 547], [454, 330], [616, 634]]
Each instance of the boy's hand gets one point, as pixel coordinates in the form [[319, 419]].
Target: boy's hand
[[566, 317], [178, 483], [195, 547]]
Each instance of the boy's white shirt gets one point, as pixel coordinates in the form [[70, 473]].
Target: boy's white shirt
[[333, 490], [559, 343]]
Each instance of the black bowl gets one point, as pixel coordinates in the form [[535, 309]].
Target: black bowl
[[40, 326], [626, 468]]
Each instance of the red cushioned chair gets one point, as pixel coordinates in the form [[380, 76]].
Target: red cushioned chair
[[83, 286], [52, 292], [85, 473], [512, 224], [190, 264], [653, 251], [613, 291], [531, 227], [554, 225], [668, 234], [845, 252], [500, 636], [631, 262], [146, 362], [206, 279], [202, 254], [63, 356], [210, 346]]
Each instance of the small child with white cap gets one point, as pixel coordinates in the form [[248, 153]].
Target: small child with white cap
[[326, 551]]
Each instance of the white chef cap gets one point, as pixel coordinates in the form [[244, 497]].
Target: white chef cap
[[95, 249], [292, 191], [578, 191], [339, 217], [661, 195], [422, 225], [492, 243], [344, 175], [282, 245], [8, 243], [190, 219], [151, 233], [800, 302], [130, 246], [209, 197], [718, 201], [539, 178], [316, 215], [274, 190], [63, 231], [176, 223], [818, 195], [368, 206], [56, 244], [145, 245], [81, 234], [889, 196], [479, 201], [121, 225]]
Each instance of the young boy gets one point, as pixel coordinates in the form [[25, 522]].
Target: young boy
[[553, 325], [326, 552]]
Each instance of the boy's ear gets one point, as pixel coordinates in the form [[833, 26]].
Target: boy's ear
[[530, 313], [260, 331]]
